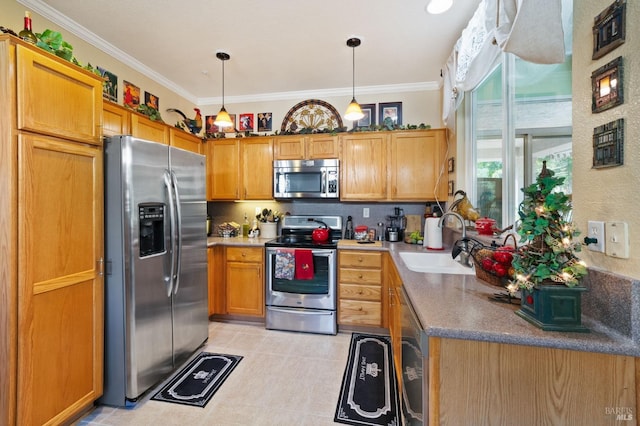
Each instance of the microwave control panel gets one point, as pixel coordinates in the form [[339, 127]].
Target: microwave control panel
[[332, 181]]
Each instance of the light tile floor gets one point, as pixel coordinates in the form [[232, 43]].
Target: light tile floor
[[285, 378]]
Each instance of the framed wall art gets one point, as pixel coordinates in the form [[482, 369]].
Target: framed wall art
[[390, 111], [451, 188], [607, 86], [151, 101], [245, 124], [131, 95], [609, 29], [110, 85], [369, 118], [264, 121], [608, 144], [450, 165], [210, 129]]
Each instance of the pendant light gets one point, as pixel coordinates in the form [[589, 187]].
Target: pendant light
[[354, 112], [223, 119]]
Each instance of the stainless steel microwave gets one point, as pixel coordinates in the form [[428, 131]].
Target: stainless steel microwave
[[306, 178]]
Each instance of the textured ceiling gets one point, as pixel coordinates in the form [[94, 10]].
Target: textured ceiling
[[276, 46]]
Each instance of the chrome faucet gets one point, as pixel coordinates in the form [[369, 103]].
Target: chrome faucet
[[461, 248]]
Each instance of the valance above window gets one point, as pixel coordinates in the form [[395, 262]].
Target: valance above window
[[530, 29]]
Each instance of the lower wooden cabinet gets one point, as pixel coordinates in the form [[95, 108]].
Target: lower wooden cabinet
[[485, 383], [360, 288], [394, 284], [60, 283], [244, 281]]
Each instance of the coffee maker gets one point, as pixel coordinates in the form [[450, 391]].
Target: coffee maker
[[396, 225]]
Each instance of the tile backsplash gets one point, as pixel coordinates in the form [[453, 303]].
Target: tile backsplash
[[234, 211]]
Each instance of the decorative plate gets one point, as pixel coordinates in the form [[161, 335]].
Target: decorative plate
[[312, 115]]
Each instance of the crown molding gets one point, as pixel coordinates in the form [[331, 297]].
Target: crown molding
[[85, 34], [314, 94], [88, 36]]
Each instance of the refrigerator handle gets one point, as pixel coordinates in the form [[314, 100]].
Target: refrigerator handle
[[178, 241], [169, 187]]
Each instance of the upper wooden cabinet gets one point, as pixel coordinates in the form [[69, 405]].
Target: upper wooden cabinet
[[56, 102], [257, 168], [393, 166], [51, 244], [240, 169], [306, 147], [144, 128], [415, 161], [181, 139], [116, 120], [363, 168]]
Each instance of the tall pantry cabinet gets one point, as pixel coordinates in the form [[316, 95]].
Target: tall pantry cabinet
[[51, 237]]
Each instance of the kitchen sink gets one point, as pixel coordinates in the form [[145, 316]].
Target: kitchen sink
[[440, 263]]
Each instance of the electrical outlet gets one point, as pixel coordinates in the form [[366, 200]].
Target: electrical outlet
[[595, 230], [617, 239], [365, 212]]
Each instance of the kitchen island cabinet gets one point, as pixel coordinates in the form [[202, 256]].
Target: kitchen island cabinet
[[51, 249]]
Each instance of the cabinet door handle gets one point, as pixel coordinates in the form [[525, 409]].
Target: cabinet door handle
[[101, 267], [360, 276]]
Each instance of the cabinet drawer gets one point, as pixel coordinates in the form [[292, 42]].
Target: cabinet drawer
[[359, 312], [360, 292], [360, 276], [244, 254], [360, 259]]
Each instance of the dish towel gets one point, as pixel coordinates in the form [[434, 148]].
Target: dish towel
[[285, 264], [304, 264]]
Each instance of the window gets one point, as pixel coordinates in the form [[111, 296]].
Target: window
[[520, 116]]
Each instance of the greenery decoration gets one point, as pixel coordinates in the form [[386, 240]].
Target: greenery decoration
[[547, 255], [150, 112]]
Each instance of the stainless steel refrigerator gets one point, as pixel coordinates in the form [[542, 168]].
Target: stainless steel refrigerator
[[156, 312]]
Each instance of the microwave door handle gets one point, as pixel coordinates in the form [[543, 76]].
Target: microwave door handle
[[324, 182]]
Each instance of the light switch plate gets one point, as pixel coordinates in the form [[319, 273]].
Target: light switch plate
[[595, 230], [617, 242], [365, 212]]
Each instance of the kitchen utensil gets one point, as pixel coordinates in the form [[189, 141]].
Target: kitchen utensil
[[320, 234], [485, 226]]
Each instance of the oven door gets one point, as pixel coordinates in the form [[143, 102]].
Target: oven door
[[316, 293]]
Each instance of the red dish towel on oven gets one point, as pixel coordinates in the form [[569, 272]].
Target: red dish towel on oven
[[304, 264]]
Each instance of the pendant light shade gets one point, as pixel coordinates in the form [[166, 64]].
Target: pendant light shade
[[223, 119], [354, 112]]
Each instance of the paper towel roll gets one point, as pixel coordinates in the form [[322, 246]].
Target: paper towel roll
[[433, 234]]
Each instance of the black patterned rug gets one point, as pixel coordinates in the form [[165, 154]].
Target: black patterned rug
[[196, 383], [369, 394]]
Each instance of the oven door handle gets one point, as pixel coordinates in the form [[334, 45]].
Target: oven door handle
[[302, 311]]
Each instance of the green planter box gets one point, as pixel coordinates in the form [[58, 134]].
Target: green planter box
[[553, 307]]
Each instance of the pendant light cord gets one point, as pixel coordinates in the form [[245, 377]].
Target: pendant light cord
[[353, 72], [222, 83]]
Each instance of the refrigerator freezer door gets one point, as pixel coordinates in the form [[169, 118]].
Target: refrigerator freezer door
[[190, 308], [148, 310]]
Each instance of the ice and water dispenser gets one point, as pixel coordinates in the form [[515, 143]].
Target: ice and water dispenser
[[151, 221]]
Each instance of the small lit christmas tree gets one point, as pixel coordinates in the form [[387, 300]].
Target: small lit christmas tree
[[547, 255]]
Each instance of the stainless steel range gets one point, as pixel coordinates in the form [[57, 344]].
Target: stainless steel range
[[301, 276]]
